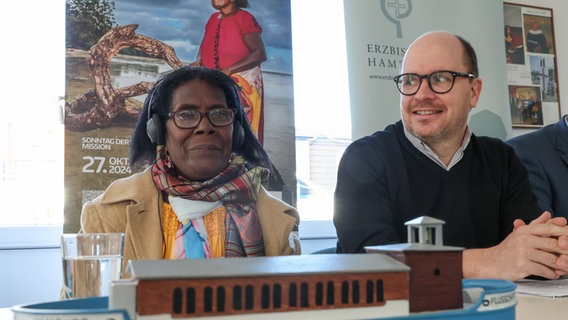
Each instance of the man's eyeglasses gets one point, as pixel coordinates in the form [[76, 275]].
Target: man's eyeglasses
[[189, 118], [441, 81]]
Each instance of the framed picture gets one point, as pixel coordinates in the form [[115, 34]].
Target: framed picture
[[532, 75]]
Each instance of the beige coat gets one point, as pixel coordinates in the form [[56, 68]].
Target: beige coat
[[133, 205]]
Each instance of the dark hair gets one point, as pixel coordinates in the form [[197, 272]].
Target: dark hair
[[470, 57], [242, 3], [158, 101]]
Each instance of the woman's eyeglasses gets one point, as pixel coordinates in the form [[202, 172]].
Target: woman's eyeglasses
[[190, 118]]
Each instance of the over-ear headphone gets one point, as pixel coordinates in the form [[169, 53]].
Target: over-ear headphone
[[238, 134], [155, 130], [154, 127]]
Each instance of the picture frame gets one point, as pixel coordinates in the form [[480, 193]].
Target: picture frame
[[532, 72]]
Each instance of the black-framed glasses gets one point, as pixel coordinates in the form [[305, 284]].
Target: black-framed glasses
[[441, 81], [190, 118]]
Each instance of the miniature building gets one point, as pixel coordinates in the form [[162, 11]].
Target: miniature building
[[188, 288], [426, 230], [436, 270]]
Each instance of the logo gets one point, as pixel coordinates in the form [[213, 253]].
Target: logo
[[498, 301], [394, 10]]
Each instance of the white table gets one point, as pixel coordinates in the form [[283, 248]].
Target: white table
[[530, 307]]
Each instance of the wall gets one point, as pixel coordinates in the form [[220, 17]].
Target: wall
[[30, 264]]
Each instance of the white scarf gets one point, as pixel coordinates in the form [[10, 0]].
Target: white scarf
[[186, 209]]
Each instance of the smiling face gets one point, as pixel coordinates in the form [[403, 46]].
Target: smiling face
[[204, 151], [432, 117]]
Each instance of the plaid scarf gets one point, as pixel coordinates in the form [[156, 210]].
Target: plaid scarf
[[236, 186]]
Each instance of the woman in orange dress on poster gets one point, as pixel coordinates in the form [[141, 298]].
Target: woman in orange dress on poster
[[232, 43]]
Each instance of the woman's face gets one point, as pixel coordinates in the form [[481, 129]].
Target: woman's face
[[219, 4], [202, 152]]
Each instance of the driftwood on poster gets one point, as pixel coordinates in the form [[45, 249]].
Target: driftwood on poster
[[99, 107]]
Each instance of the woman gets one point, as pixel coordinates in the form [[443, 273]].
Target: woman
[[232, 43], [202, 196]]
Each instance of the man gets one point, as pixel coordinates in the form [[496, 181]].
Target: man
[[544, 153], [431, 164]]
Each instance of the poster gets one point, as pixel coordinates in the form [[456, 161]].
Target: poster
[[531, 66], [378, 32], [116, 50]]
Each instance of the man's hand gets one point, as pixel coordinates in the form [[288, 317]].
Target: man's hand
[[539, 249]]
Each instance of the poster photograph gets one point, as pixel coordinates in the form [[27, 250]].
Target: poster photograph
[[117, 50], [531, 66], [525, 104]]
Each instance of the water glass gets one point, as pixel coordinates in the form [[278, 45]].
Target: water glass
[[90, 262]]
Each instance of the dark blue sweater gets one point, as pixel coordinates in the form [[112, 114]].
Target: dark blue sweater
[[384, 181]]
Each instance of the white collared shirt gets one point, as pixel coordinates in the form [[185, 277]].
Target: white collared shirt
[[425, 149]]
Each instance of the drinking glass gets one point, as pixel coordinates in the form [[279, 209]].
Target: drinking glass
[[90, 262]]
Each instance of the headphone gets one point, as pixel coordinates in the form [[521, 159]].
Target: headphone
[[155, 130], [154, 127]]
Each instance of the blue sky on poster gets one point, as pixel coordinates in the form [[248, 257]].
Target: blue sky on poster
[[181, 23]]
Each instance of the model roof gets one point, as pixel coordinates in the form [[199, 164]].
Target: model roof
[[264, 266]]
